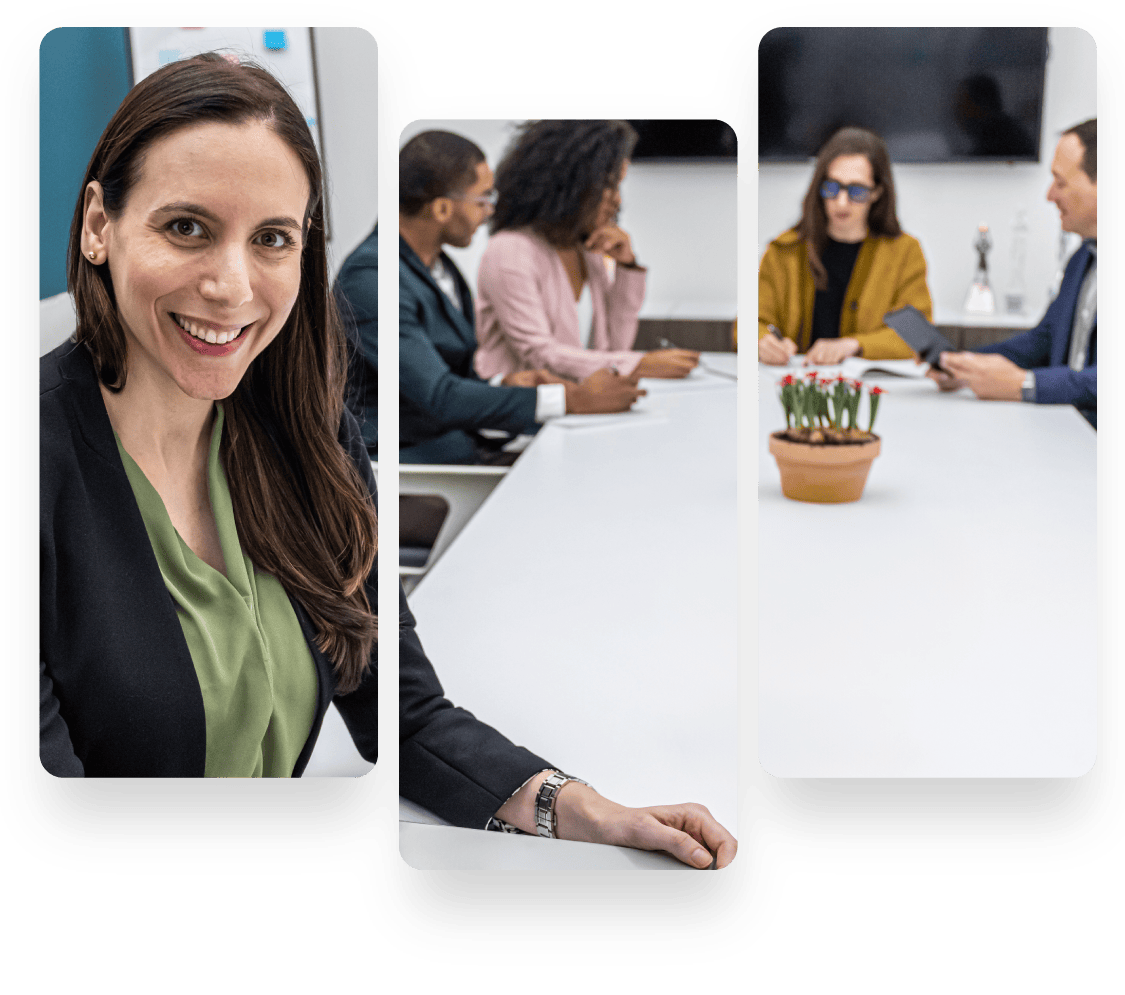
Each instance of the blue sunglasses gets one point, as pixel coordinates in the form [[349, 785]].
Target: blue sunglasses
[[857, 192]]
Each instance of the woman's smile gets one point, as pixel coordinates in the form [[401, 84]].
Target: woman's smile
[[209, 338], [206, 256]]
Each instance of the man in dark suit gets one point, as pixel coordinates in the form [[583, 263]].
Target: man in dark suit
[[446, 411], [1056, 362]]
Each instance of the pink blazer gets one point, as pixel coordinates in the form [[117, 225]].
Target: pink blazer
[[527, 318]]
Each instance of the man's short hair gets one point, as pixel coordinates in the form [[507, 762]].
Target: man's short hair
[[1087, 134], [435, 164]]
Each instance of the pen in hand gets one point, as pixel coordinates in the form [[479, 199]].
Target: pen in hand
[[669, 344]]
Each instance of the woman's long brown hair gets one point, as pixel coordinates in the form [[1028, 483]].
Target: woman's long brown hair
[[302, 510], [882, 219]]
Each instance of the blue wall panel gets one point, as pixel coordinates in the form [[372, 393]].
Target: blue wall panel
[[84, 74]]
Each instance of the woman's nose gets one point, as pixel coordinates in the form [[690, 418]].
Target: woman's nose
[[227, 282]]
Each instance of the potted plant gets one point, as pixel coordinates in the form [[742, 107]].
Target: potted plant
[[823, 454]]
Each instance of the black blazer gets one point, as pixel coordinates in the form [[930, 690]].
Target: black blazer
[[442, 400], [118, 691]]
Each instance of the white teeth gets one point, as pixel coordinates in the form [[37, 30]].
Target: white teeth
[[205, 335]]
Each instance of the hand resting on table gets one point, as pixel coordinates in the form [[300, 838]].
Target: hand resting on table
[[688, 832]]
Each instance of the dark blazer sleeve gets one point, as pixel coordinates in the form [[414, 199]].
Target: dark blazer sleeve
[[449, 399], [1062, 385], [357, 296], [1032, 350], [56, 752], [451, 763]]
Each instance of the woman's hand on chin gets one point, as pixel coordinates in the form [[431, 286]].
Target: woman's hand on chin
[[613, 242]]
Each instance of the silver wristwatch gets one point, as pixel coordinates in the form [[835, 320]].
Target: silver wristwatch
[[1027, 390], [545, 821]]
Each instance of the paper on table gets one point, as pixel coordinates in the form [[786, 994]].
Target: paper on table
[[856, 368], [633, 417], [702, 381], [853, 367]]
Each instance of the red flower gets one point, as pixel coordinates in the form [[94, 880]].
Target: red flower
[[877, 390], [841, 379], [787, 380], [857, 384], [811, 375]]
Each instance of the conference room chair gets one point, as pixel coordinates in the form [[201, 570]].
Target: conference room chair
[[447, 497]]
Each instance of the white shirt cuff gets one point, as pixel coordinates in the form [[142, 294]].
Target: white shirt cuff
[[550, 401]]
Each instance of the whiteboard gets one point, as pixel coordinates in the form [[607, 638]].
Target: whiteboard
[[285, 52]]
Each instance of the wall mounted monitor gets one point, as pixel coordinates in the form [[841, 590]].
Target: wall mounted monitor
[[679, 141], [933, 94]]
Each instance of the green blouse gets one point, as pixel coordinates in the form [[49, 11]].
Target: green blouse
[[254, 667]]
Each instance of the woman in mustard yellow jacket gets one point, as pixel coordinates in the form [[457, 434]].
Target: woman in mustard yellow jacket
[[824, 286]]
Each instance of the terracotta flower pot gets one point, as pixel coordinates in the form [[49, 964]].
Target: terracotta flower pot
[[821, 473]]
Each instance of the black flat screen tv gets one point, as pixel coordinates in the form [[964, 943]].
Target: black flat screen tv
[[933, 94], [677, 141]]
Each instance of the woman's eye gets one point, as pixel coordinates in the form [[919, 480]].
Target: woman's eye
[[187, 228], [274, 240]]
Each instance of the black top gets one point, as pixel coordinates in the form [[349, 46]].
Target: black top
[[839, 260], [119, 696]]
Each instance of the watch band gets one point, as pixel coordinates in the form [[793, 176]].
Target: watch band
[[545, 820], [1027, 390]]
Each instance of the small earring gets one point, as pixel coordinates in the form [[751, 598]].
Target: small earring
[[93, 254]]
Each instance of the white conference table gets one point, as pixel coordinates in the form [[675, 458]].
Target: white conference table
[[588, 611], [447, 848], [945, 625]]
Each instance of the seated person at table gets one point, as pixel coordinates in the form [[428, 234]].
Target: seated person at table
[[445, 193], [558, 271], [1056, 362], [825, 284]]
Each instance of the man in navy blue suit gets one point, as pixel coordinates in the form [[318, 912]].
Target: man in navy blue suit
[[1056, 362], [445, 194]]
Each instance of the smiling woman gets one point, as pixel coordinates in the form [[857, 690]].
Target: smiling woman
[[216, 271], [207, 529]]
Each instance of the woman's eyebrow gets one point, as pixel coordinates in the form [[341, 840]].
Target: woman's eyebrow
[[281, 222], [185, 207]]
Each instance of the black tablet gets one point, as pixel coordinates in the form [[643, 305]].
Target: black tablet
[[917, 332]]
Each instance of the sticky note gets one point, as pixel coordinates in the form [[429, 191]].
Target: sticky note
[[275, 41]]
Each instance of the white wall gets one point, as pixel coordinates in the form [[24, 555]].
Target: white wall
[[347, 60], [681, 218], [942, 204]]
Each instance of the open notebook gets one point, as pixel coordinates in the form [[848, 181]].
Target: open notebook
[[855, 368], [871, 369]]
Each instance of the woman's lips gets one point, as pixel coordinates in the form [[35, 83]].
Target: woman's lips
[[208, 331], [204, 337]]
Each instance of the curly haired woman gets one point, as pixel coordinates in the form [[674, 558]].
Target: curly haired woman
[[559, 286]]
